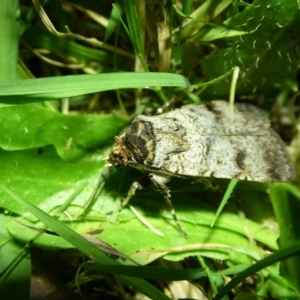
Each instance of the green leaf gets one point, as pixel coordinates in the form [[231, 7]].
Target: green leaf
[[42, 89], [47, 180], [9, 42], [32, 126], [198, 18], [105, 263], [40, 172], [286, 201], [130, 7], [278, 256], [113, 21], [136, 28], [38, 38], [221, 241], [210, 34], [267, 56], [15, 265]]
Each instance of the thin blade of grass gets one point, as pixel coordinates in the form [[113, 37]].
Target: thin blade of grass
[[86, 247], [69, 86]]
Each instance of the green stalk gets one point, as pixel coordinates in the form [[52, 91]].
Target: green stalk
[[9, 39]]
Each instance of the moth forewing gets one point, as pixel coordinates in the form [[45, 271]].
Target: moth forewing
[[207, 141]]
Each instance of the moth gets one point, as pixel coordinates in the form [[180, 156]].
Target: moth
[[206, 140]]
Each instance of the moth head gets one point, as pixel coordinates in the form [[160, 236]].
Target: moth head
[[120, 155]]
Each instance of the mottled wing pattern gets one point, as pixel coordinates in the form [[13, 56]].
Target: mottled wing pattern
[[208, 141]]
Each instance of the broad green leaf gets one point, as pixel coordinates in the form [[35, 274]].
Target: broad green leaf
[[221, 241], [267, 56], [47, 180], [32, 126], [40, 173]]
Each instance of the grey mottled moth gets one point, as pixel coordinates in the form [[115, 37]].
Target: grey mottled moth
[[206, 140]]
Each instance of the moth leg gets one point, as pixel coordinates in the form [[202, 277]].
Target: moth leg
[[140, 183], [131, 192], [159, 183]]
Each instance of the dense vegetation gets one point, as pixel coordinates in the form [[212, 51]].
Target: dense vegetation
[[73, 75]]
